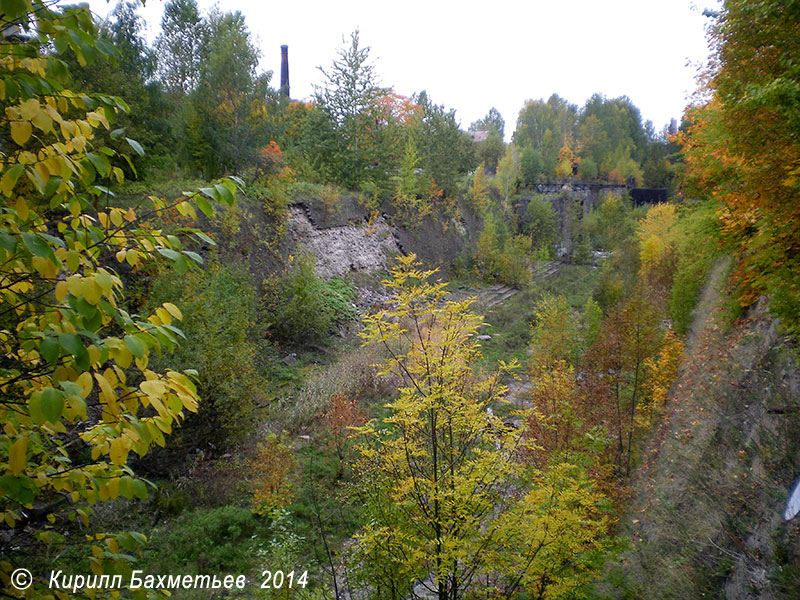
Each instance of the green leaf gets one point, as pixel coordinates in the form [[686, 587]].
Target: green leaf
[[126, 486], [137, 147], [52, 186], [52, 404], [175, 330], [12, 89], [93, 320], [105, 48], [35, 408], [19, 488], [181, 265], [99, 162], [72, 388], [117, 134], [169, 253], [8, 242], [53, 239], [137, 347], [71, 343], [211, 193], [37, 246], [49, 349], [57, 68], [126, 540], [139, 489], [204, 238], [194, 256], [204, 205], [60, 43], [104, 280], [225, 194], [13, 9]]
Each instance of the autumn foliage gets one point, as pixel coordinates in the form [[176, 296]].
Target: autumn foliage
[[741, 148], [272, 467]]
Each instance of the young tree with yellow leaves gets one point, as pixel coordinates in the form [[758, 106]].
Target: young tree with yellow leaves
[[451, 505], [77, 394]]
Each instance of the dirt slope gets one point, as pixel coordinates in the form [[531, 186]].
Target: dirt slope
[[706, 518]]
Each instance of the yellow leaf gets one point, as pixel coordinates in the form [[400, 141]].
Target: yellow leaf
[[43, 171], [85, 381], [21, 132], [79, 142], [105, 387], [61, 290], [8, 181], [94, 354], [165, 316], [22, 208], [43, 122], [29, 108], [118, 453], [123, 356], [173, 310], [27, 158], [92, 292], [16, 455], [113, 489], [153, 388], [132, 256]]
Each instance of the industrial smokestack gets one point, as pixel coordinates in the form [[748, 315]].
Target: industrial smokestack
[[285, 70]]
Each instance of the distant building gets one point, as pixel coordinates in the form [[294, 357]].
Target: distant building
[[479, 136]]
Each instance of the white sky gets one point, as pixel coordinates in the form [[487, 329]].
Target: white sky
[[472, 56]]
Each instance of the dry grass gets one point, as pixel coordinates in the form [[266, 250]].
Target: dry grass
[[353, 375]]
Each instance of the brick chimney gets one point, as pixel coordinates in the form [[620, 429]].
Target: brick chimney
[[285, 70]]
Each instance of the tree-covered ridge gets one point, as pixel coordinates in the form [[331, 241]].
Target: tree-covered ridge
[[742, 148], [197, 97]]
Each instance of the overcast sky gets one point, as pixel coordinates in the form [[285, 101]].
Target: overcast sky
[[472, 56]]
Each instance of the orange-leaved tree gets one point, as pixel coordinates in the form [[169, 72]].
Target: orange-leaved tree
[[742, 148]]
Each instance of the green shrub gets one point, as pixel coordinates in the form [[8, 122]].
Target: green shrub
[[611, 224], [218, 310], [500, 256], [217, 540], [308, 307], [698, 235], [587, 170], [539, 222]]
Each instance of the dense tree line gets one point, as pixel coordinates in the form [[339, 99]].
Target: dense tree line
[[741, 147], [199, 102], [605, 140]]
